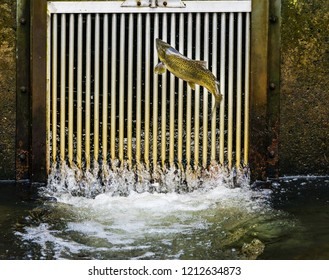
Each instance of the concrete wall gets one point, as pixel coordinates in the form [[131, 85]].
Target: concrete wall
[[7, 88], [304, 124], [304, 130]]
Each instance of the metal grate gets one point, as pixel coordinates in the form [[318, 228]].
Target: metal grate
[[106, 105]]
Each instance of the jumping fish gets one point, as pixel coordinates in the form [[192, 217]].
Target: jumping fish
[[191, 71]]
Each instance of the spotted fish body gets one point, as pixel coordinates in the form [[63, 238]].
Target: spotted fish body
[[191, 71]]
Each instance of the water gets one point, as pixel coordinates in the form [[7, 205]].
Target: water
[[284, 219]]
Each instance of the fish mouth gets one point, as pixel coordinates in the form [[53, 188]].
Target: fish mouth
[[161, 44], [161, 47], [158, 43]]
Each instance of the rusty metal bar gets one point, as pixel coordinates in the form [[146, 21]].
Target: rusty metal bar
[[189, 94], [54, 87], [197, 93], [246, 91], [180, 95], [139, 89], [155, 93], [96, 86], [48, 92], [23, 93], [164, 98], [147, 92], [130, 91], [63, 88], [258, 88], [230, 91], [205, 94], [71, 87], [238, 92], [113, 85], [88, 91], [222, 87], [105, 88], [213, 103], [122, 88], [172, 96], [273, 99], [79, 91]]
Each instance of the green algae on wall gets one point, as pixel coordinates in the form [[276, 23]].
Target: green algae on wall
[[7, 88], [304, 131]]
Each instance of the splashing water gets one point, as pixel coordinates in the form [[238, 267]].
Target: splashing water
[[125, 215]]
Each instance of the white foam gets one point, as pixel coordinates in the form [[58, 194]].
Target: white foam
[[138, 220]]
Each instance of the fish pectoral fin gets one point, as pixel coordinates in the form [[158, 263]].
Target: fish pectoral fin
[[202, 63], [192, 85], [160, 68]]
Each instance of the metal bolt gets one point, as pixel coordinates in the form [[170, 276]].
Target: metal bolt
[[139, 3], [22, 20], [22, 157], [273, 19], [23, 89], [272, 154], [272, 86], [165, 3]]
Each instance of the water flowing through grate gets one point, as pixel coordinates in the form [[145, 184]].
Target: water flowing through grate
[[107, 110]]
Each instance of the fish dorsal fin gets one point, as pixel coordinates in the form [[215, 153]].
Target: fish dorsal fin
[[201, 63]]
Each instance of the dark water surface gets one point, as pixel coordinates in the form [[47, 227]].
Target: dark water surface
[[283, 219]]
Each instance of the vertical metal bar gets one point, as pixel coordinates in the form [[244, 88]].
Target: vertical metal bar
[[222, 86], [189, 94], [96, 87], [23, 82], [238, 93], [259, 77], [39, 87], [105, 87], [54, 87], [180, 94], [71, 87], [48, 94], [122, 88], [197, 94], [230, 91], [155, 93], [172, 96], [213, 103], [88, 89], [130, 90], [62, 86], [113, 84], [147, 91], [164, 98], [246, 90], [79, 92], [205, 94], [139, 88]]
